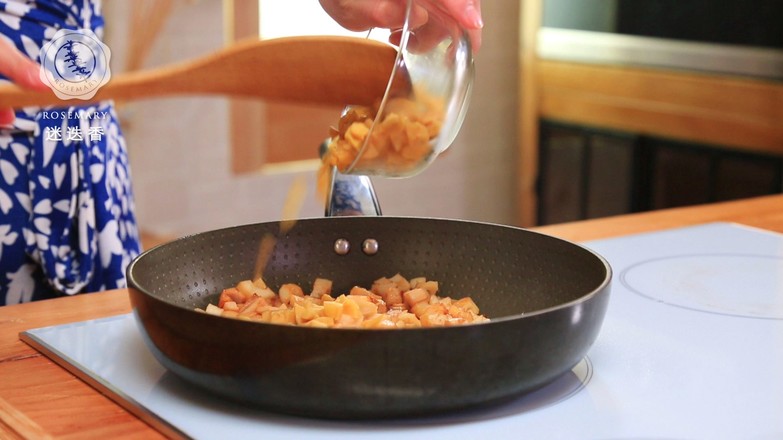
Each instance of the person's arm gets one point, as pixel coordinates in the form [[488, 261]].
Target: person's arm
[[20, 70], [359, 15]]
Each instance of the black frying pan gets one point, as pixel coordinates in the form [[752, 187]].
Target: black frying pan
[[546, 299]]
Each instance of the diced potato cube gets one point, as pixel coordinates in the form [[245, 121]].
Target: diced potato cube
[[321, 286], [282, 317], [430, 286], [380, 281], [392, 295], [351, 309], [401, 282], [467, 304], [434, 315], [347, 321], [230, 305], [288, 290], [433, 319], [418, 142], [413, 296], [375, 321], [231, 294], [307, 312], [214, 310], [407, 319], [380, 287], [266, 293], [248, 288], [420, 308], [356, 133], [290, 316], [416, 281], [359, 291], [333, 309], [262, 305], [366, 306], [250, 306]]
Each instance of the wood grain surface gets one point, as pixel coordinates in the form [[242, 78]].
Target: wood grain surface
[[324, 70]]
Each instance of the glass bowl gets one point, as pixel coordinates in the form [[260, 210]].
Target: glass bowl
[[423, 106]]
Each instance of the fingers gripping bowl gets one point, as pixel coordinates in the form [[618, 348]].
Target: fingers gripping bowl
[[546, 299]]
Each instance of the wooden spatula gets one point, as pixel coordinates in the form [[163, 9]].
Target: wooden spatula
[[328, 70]]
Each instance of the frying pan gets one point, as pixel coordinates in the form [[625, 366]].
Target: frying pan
[[546, 299]]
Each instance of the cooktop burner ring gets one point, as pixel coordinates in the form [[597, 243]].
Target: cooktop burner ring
[[712, 283], [561, 389]]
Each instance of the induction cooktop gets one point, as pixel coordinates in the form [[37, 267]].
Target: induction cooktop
[[691, 348]]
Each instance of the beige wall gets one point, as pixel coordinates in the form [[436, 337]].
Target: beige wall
[[181, 157]]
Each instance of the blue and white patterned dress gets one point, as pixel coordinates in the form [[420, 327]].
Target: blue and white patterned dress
[[67, 222]]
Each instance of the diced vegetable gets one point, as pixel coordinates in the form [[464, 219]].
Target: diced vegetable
[[390, 303]]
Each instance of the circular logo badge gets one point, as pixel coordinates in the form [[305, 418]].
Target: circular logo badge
[[75, 64]]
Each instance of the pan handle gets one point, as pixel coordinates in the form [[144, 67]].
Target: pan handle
[[350, 195]]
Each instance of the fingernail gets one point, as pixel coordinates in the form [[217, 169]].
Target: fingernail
[[478, 23]]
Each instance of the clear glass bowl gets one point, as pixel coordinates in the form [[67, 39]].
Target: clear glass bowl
[[424, 104]]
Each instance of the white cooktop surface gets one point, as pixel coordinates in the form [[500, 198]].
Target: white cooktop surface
[[691, 348]]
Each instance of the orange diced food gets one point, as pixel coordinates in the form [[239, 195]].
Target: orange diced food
[[390, 303]]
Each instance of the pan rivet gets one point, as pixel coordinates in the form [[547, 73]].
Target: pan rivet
[[370, 246], [341, 246]]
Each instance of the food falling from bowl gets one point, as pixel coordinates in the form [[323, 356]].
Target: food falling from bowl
[[398, 142]]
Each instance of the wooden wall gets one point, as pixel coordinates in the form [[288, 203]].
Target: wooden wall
[[730, 111]]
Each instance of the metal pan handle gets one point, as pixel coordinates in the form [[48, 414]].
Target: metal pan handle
[[350, 195]]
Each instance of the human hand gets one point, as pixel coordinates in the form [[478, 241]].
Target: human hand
[[360, 15], [20, 70]]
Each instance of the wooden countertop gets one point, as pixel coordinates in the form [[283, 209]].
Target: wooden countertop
[[39, 399]]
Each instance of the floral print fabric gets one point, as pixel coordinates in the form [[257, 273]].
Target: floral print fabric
[[67, 222]]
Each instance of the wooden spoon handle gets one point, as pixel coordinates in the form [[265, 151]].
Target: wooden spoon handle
[[327, 70]]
